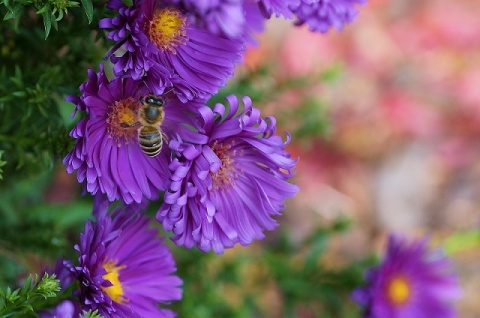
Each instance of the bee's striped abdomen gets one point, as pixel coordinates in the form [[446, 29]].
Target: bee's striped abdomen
[[150, 140]]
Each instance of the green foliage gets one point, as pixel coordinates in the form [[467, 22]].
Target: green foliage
[[32, 228], [304, 279], [91, 314], [238, 283], [24, 301], [2, 163], [35, 77], [52, 11]]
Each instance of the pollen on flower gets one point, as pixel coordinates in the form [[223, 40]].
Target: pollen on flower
[[398, 290], [122, 119], [167, 29], [116, 290], [224, 178]]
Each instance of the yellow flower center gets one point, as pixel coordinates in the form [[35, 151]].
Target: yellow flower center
[[116, 290], [122, 118], [398, 290], [167, 29], [225, 176]]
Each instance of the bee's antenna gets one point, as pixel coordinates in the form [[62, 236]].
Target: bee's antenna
[[169, 91], [149, 90], [164, 92]]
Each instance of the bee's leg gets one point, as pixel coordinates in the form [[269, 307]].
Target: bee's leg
[[135, 124], [165, 137], [125, 125]]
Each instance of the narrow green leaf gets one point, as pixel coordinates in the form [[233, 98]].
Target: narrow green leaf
[[47, 21], [88, 8], [19, 94], [9, 15], [13, 12], [55, 24], [43, 10], [60, 16], [27, 285]]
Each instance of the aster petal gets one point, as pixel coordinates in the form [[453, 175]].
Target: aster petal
[[140, 178], [126, 173]]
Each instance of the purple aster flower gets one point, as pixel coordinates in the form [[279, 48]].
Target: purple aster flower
[[124, 269], [107, 154], [158, 37], [228, 189], [411, 282], [277, 7], [321, 15]]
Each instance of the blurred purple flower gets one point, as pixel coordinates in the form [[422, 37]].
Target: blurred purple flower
[[221, 17], [65, 309], [107, 154], [411, 282], [226, 190], [255, 20], [124, 269], [321, 15], [277, 7], [158, 37]]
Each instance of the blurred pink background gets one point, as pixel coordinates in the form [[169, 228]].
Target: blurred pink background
[[401, 153]]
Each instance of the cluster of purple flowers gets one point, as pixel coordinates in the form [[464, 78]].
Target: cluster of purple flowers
[[224, 173], [223, 170]]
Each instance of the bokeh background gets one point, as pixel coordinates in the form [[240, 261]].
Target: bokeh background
[[385, 120], [389, 138]]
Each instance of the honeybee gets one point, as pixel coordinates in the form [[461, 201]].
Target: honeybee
[[150, 117]]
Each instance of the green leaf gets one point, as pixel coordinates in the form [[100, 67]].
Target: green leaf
[[88, 8], [92, 314], [2, 163], [13, 11], [47, 20]]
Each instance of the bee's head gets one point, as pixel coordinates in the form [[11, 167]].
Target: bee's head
[[154, 100]]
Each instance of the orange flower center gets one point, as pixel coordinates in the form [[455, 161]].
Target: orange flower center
[[398, 290], [116, 290], [122, 119], [167, 29], [225, 176]]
